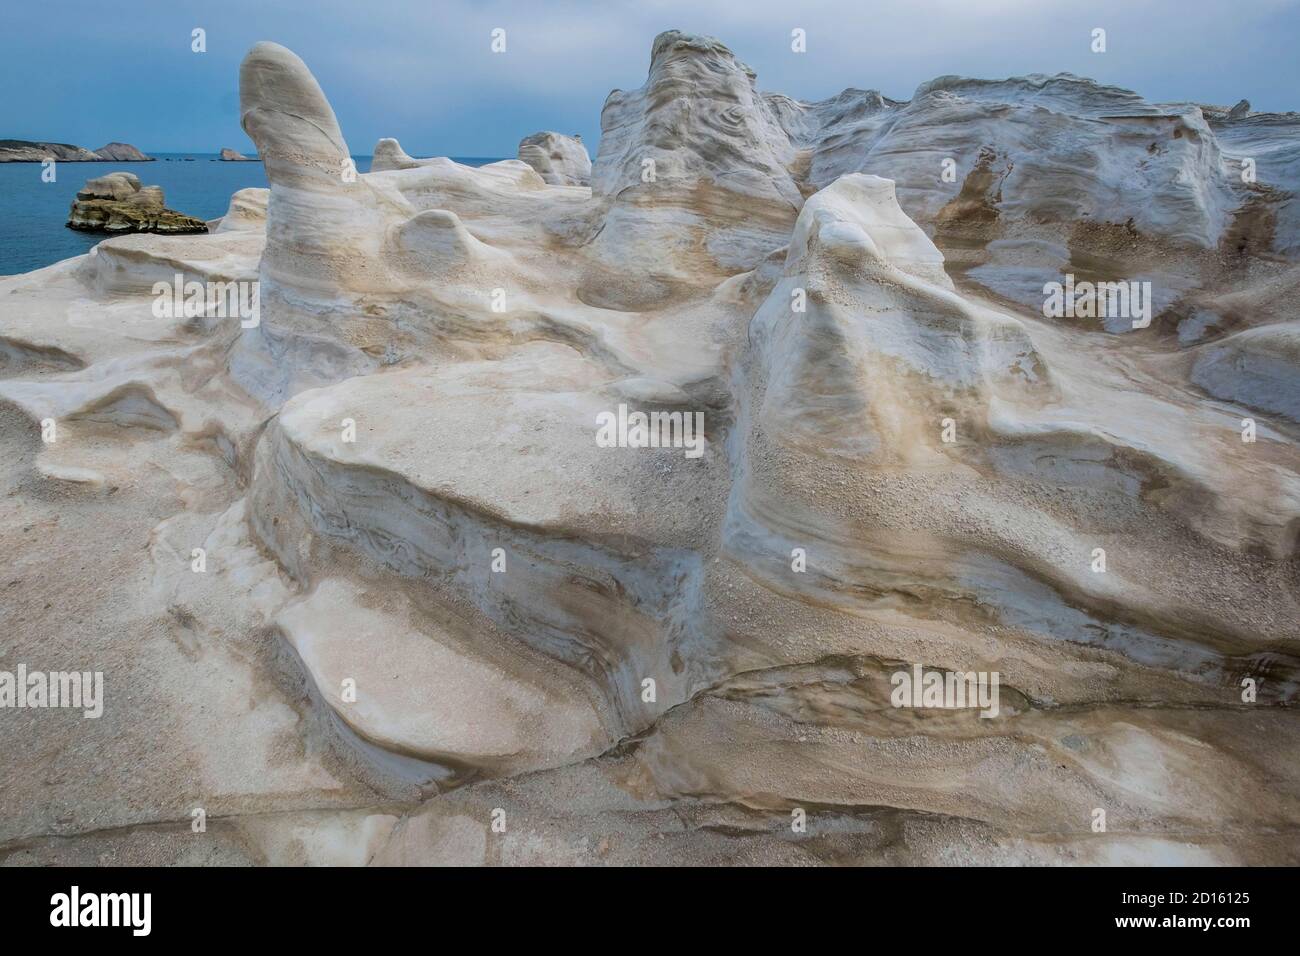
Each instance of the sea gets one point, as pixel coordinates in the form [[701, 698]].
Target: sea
[[34, 213]]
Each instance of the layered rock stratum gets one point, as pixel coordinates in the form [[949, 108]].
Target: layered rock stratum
[[372, 578], [118, 203]]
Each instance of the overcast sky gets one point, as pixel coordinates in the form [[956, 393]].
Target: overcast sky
[[422, 70]]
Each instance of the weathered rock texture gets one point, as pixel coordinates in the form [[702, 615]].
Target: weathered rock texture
[[117, 203], [560, 160], [431, 593]]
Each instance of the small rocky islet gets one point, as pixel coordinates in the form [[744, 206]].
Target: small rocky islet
[[117, 203]]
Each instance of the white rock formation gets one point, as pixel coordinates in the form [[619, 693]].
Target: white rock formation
[[1033, 176], [388, 154], [693, 178], [560, 160], [429, 588], [1055, 148]]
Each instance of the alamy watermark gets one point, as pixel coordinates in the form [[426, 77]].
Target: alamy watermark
[[1098, 300], [75, 908], [951, 690], [83, 690], [626, 429], [241, 298]]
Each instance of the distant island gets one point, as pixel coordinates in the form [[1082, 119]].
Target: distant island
[[26, 151], [232, 156]]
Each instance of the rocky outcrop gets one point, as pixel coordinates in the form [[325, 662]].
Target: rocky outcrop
[[388, 154], [122, 153], [24, 151], [623, 509], [1030, 178], [247, 212], [232, 156], [117, 203], [560, 160], [698, 152], [1030, 149]]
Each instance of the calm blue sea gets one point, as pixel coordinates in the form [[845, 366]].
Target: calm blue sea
[[33, 213]]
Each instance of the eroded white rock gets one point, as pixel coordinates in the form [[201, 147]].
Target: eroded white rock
[[384, 546]]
